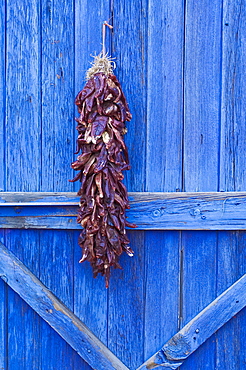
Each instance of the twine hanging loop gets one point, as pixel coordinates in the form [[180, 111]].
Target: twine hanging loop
[[105, 23]]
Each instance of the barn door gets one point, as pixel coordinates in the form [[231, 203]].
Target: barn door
[[60, 212], [181, 65]]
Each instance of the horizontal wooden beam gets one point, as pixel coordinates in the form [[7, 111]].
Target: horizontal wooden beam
[[199, 329], [150, 211], [56, 314]]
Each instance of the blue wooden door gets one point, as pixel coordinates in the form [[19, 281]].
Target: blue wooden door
[[182, 67]]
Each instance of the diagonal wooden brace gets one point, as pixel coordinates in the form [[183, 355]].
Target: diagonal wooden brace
[[56, 314], [199, 329], [88, 346]]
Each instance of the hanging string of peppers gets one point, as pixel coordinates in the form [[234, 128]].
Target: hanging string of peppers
[[103, 197]]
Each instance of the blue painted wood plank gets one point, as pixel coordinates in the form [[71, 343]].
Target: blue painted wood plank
[[231, 265], [163, 166], [39, 197], [55, 313], [202, 90], [71, 198], [3, 326], [16, 331], [23, 129], [88, 35], [231, 246], [150, 211], [126, 309], [200, 328], [126, 305], [56, 267], [55, 351], [3, 287], [164, 96], [3, 94], [22, 322], [56, 273], [90, 295], [57, 94], [3, 318], [129, 47], [232, 160], [198, 288], [22, 149], [162, 288], [22, 157]]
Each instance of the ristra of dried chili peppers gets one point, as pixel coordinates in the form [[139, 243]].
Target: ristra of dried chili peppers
[[103, 197]]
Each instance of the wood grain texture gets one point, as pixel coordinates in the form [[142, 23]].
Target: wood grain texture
[[202, 92], [182, 71], [127, 291], [57, 274], [231, 245], [162, 288], [55, 313], [57, 94], [3, 286], [164, 96], [22, 159], [150, 211], [232, 168], [200, 328], [23, 93], [3, 318], [90, 295], [23, 324], [2, 94], [231, 265], [22, 96], [198, 289], [88, 42], [58, 44], [163, 166], [202, 89], [126, 305], [88, 36], [230, 354], [129, 47]]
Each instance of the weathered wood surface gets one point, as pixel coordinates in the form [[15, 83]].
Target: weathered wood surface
[[3, 290], [202, 89], [2, 93], [3, 317], [58, 316], [199, 329], [22, 142], [126, 294], [230, 354], [231, 265], [182, 67], [164, 166], [150, 211], [21, 172], [90, 295], [233, 97]]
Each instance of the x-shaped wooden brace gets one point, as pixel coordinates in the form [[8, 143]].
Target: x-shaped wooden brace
[[90, 348]]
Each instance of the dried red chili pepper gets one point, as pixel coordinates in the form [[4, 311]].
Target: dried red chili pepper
[[103, 111]]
